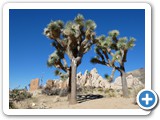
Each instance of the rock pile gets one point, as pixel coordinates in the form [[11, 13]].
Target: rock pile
[[132, 82], [91, 79]]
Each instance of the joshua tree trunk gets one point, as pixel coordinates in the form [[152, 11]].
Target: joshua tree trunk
[[69, 85], [73, 97], [124, 81]]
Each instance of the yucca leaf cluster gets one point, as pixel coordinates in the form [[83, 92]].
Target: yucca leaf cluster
[[111, 49]]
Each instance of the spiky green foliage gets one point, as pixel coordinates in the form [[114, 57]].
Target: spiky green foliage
[[114, 33], [57, 72], [63, 76], [79, 19], [53, 29], [130, 43], [53, 59], [112, 49], [90, 24]]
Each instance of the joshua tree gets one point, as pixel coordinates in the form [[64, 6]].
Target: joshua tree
[[112, 50], [73, 39]]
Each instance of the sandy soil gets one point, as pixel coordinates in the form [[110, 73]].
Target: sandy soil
[[56, 102]]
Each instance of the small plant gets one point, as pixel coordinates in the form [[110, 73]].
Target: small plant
[[55, 91], [112, 94], [100, 89], [106, 90], [19, 95]]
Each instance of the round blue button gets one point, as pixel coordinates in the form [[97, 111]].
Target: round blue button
[[147, 99]]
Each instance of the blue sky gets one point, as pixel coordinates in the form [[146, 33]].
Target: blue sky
[[29, 48]]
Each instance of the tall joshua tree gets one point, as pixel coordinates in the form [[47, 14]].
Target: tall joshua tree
[[112, 50], [73, 39]]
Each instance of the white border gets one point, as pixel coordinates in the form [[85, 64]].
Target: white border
[[8, 6]]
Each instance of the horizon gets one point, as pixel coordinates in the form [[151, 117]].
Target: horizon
[[29, 48]]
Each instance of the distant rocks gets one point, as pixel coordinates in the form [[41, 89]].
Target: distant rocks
[[50, 83], [91, 79], [134, 79]]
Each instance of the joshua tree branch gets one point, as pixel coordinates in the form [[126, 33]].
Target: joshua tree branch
[[95, 60], [84, 42], [61, 66], [109, 51], [65, 63], [78, 59], [125, 56], [107, 57], [59, 41], [100, 54], [112, 74]]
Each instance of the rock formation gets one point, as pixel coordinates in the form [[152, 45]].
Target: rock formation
[[91, 79], [34, 84]]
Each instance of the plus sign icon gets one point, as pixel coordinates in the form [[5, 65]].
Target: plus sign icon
[[147, 99]]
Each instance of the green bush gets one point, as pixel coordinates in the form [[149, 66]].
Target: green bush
[[106, 90], [100, 89], [19, 95]]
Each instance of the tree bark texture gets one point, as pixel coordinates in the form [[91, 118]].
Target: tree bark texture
[[73, 98], [69, 85], [124, 82]]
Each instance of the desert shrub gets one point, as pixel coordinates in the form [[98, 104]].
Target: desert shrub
[[100, 89], [19, 95], [79, 89], [112, 94], [86, 89], [63, 92], [106, 90], [55, 91]]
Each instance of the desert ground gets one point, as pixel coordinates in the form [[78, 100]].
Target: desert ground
[[56, 102]]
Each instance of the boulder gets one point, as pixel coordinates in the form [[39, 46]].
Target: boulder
[[88, 82], [63, 84], [93, 71], [131, 82], [83, 80], [34, 84], [79, 77], [50, 83]]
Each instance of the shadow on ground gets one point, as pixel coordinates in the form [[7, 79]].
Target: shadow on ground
[[84, 98]]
